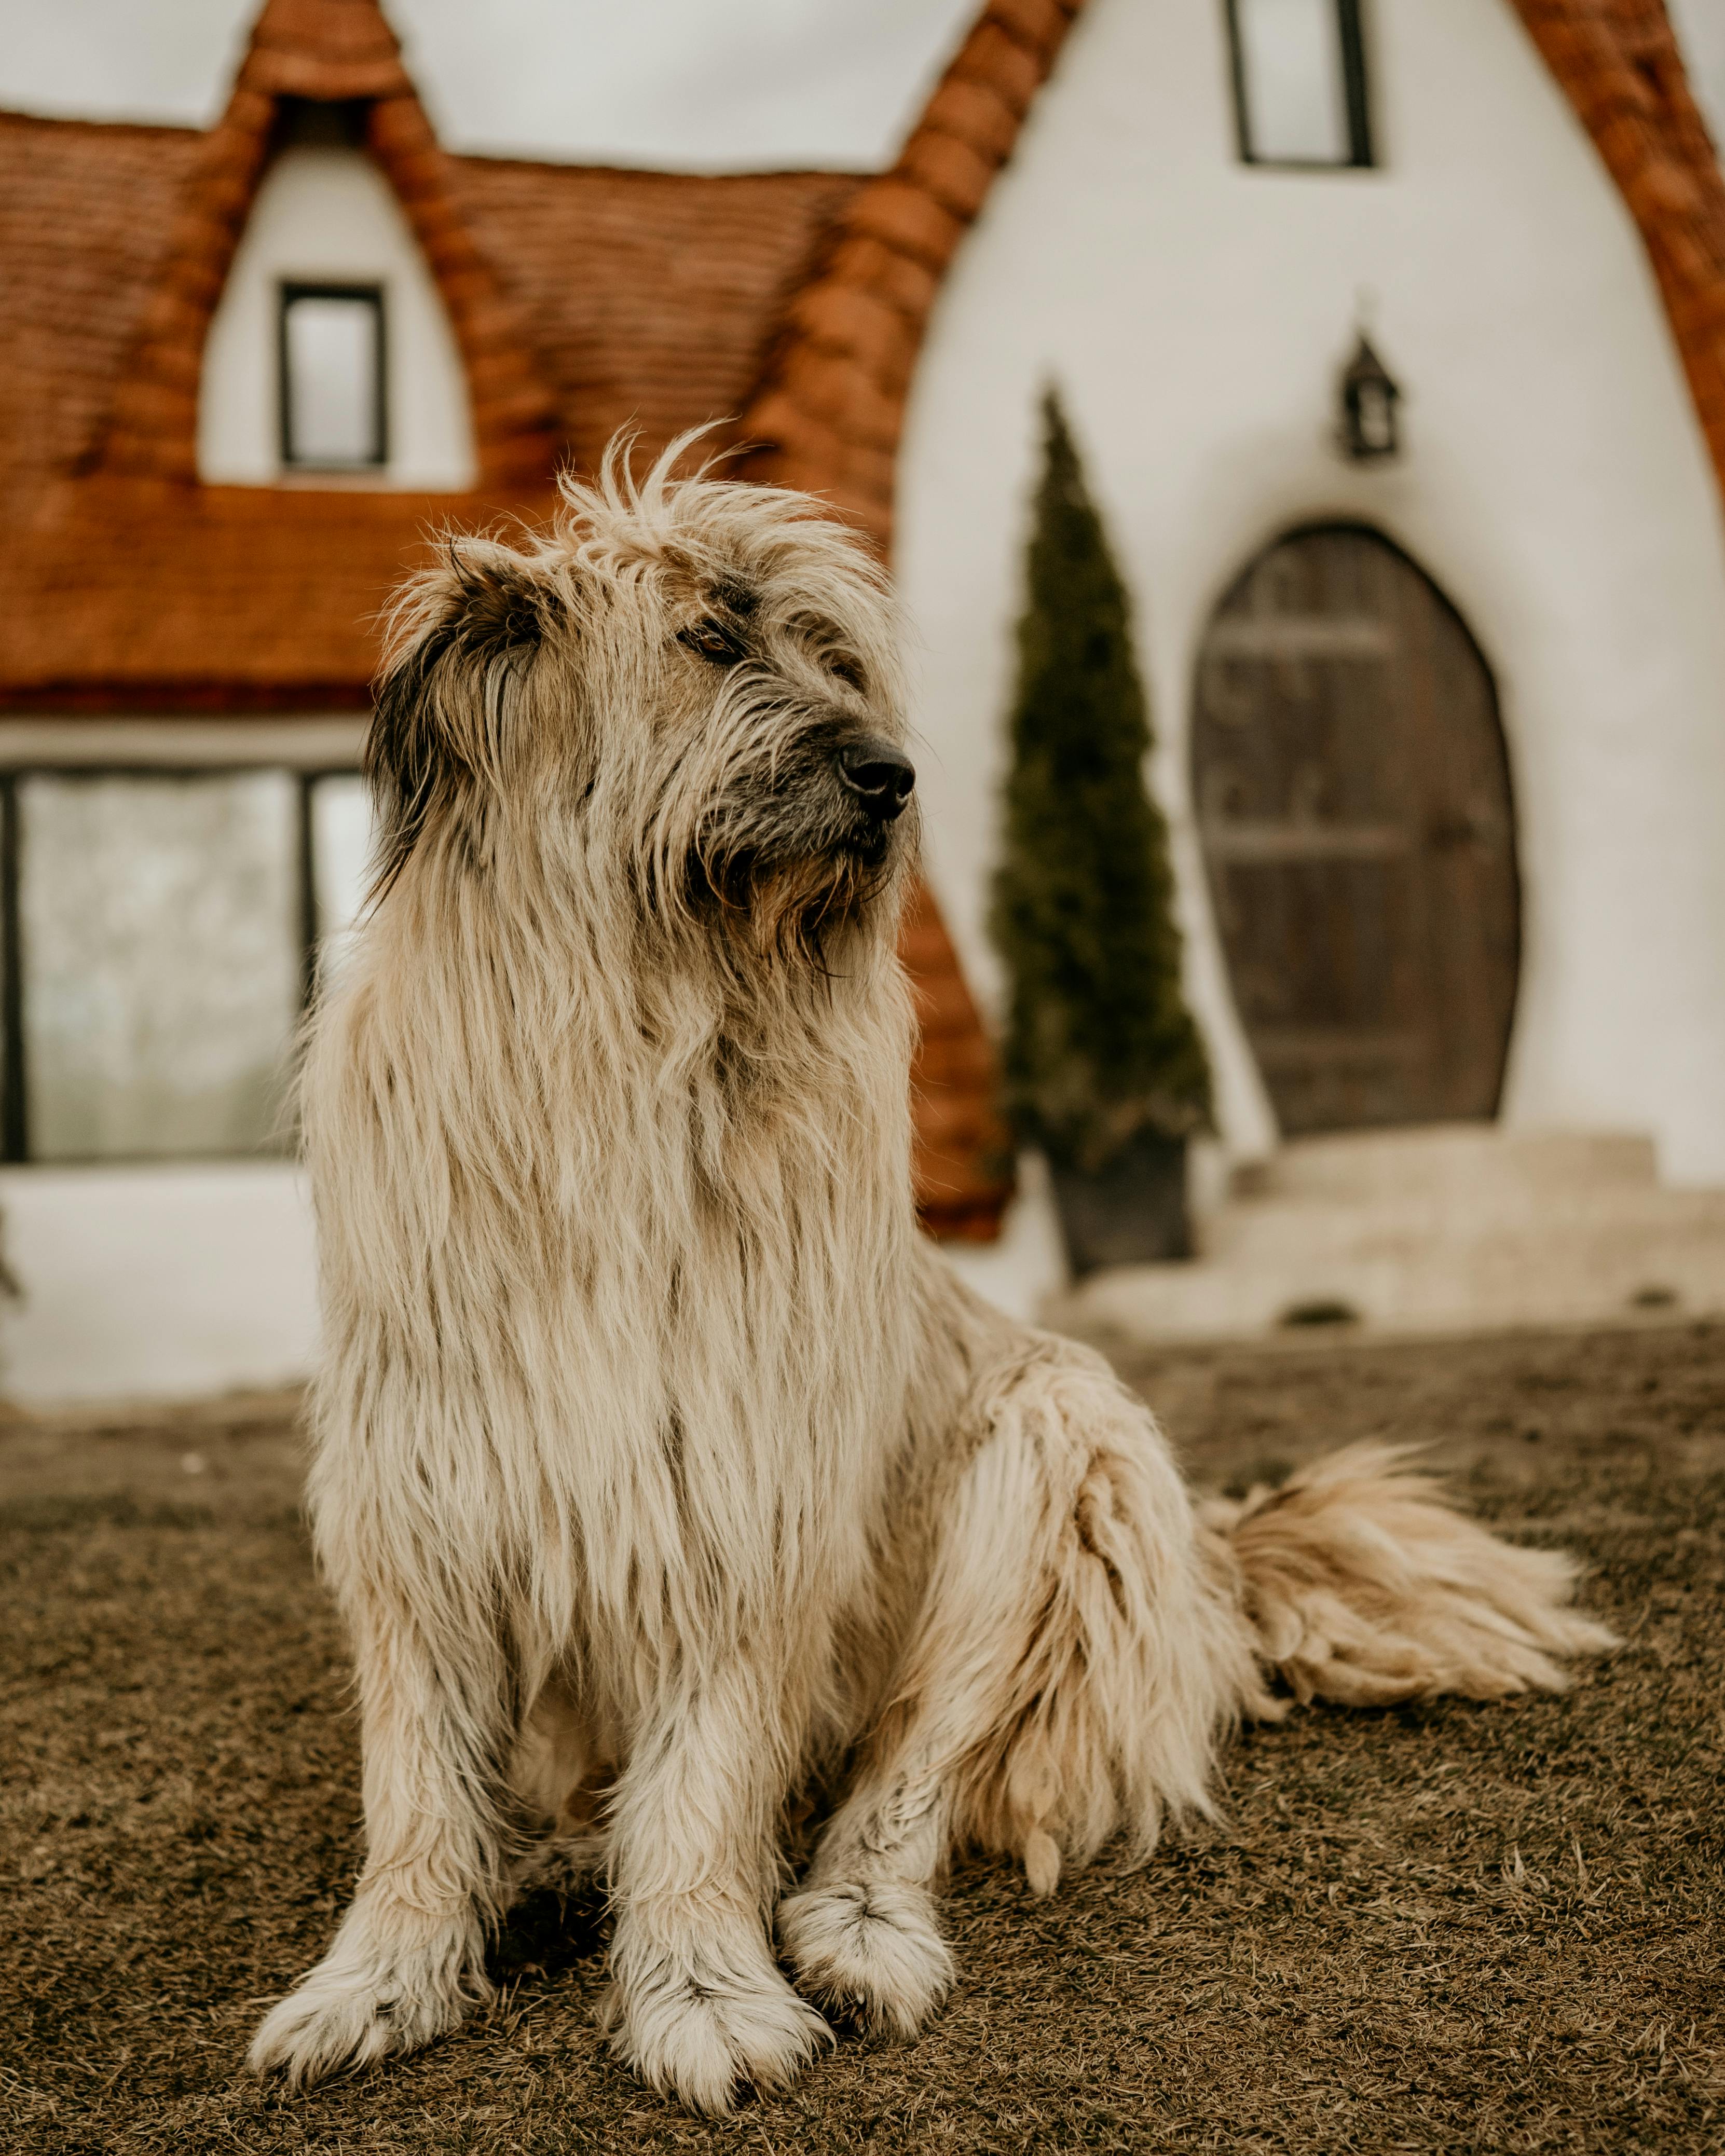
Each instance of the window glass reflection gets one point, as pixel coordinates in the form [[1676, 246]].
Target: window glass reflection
[[161, 927], [341, 857], [1293, 83], [332, 359]]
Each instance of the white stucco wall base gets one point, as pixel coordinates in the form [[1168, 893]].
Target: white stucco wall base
[[1027, 1264], [181, 1280], [157, 1282]]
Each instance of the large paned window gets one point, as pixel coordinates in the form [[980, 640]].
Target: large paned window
[[1300, 82], [162, 933], [334, 409]]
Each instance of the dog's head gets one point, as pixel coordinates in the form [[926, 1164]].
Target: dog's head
[[685, 694]]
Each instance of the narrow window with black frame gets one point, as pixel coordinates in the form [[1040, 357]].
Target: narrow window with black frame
[[334, 408], [1299, 96]]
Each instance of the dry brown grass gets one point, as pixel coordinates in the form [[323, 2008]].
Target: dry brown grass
[[1457, 1928]]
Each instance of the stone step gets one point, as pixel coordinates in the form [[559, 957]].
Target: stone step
[[1447, 1159], [1504, 1282], [1275, 1232], [1459, 1228]]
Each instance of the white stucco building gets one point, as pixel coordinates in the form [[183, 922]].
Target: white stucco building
[[1195, 311]]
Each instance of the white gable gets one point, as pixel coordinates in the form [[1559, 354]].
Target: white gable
[[325, 214], [1194, 311]]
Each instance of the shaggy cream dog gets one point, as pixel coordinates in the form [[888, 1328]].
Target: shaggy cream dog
[[663, 1473]]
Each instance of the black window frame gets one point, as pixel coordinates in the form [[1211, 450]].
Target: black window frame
[[14, 1083], [371, 294], [1356, 99]]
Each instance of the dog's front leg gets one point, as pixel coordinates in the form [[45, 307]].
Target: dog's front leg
[[699, 2005], [408, 1958]]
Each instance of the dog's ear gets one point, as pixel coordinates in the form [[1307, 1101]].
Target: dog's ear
[[460, 631]]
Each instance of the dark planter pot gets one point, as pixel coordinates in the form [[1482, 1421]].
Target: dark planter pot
[[1130, 1213]]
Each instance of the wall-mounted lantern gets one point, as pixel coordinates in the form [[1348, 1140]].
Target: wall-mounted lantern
[[1369, 393]]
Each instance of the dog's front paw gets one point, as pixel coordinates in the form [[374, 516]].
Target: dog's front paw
[[349, 2013], [873, 1949], [698, 2027]]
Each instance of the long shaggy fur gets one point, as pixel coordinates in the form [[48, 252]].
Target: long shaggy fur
[[665, 1475]]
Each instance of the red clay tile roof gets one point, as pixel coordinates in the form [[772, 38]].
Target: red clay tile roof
[[85, 212], [650, 297], [963, 1163], [640, 296], [1619, 64], [581, 299]]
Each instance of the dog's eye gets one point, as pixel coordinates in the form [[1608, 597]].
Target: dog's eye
[[847, 671], [713, 640]]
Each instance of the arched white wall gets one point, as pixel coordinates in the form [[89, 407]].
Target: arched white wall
[[1193, 312], [328, 213]]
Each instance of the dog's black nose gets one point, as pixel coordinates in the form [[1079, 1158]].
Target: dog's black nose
[[880, 775]]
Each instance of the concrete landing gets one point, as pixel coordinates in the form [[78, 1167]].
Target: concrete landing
[[1460, 1228]]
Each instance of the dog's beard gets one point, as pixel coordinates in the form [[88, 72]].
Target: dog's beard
[[793, 903]]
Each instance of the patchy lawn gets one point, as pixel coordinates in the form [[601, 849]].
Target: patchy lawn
[[1453, 1927]]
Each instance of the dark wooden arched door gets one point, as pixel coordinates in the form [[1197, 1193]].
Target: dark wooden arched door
[[1353, 797]]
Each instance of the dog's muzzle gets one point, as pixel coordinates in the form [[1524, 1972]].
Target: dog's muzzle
[[879, 775]]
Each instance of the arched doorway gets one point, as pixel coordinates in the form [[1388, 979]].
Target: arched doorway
[[1353, 799]]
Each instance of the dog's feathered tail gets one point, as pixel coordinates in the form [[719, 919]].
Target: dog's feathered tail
[[1361, 1583]]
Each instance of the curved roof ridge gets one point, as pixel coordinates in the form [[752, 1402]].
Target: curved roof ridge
[[828, 410], [827, 416], [326, 51]]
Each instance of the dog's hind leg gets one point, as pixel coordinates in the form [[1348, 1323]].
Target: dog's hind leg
[[437, 1725], [699, 2005], [1071, 1666]]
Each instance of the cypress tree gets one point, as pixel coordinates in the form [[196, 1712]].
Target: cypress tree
[[1099, 1045]]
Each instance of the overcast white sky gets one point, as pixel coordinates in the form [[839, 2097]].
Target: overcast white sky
[[706, 83], [690, 82]]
